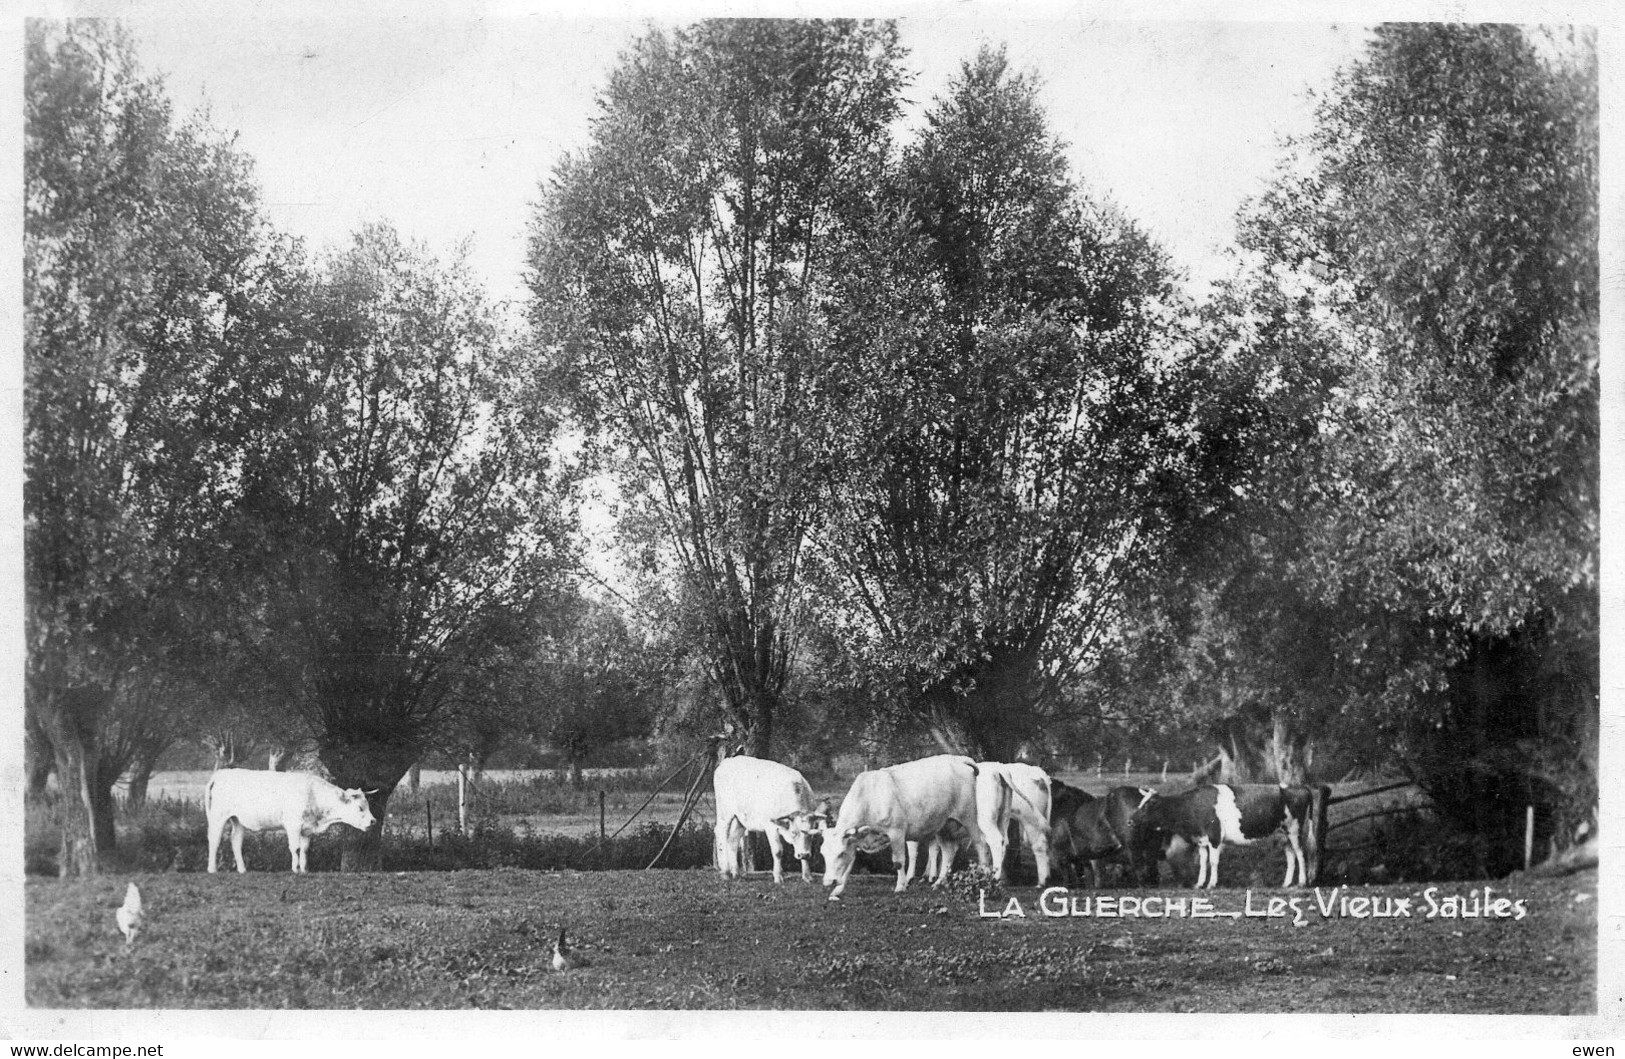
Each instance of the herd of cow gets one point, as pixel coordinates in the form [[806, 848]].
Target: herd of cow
[[946, 801], [937, 803]]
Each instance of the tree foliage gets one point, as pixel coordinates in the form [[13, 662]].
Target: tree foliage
[[1418, 311], [404, 508], [676, 269], [144, 267], [1021, 423]]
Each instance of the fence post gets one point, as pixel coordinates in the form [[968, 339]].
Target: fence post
[[602, 829], [1165, 770], [462, 798], [1528, 835], [428, 819]]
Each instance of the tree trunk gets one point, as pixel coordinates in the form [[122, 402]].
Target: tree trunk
[[71, 718], [39, 757], [141, 775], [375, 768], [140, 779], [1291, 751], [759, 737], [102, 809], [79, 853], [364, 851], [39, 774], [575, 772]]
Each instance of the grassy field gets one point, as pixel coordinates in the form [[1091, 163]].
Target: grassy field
[[687, 939]]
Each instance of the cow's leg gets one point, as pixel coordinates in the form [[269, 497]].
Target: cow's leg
[[913, 858], [739, 848], [1038, 839], [742, 856], [1294, 856], [899, 859], [1213, 864], [775, 845], [945, 849], [1202, 848], [996, 841], [727, 863], [237, 830], [806, 865], [294, 851], [214, 846]]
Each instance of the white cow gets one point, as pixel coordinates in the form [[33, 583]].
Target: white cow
[[1006, 791], [911, 802], [754, 794], [295, 802]]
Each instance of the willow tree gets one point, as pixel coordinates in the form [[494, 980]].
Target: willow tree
[[146, 266], [1020, 427], [677, 269], [1451, 203], [1416, 558], [405, 512]]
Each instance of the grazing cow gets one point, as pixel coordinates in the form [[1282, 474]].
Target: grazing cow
[[1013, 791], [1216, 814], [295, 802], [912, 802], [1086, 828], [754, 794]]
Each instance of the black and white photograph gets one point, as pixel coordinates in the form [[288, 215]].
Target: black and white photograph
[[789, 522]]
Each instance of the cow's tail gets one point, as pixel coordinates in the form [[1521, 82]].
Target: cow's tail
[[1013, 792]]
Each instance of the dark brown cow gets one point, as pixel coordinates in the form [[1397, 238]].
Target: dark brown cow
[[1087, 828]]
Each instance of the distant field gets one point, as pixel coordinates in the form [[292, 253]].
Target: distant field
[[188, 786], [687, 939]]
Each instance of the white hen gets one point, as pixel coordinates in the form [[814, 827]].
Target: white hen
[[129, 914]]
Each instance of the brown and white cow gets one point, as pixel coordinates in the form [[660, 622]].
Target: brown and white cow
[[891, 807], [298, 803], [1214, 815]]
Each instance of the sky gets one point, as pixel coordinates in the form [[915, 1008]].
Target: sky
[[449, 126]]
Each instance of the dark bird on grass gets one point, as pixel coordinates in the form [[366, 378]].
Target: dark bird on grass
[[566, 958], [129, 914]]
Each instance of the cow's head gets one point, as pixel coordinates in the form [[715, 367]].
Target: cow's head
[[353, 809], [841, 846], [840, 850], [1152, 815], [797, 829]]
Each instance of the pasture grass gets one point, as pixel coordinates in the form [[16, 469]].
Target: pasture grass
[[688, 939]]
